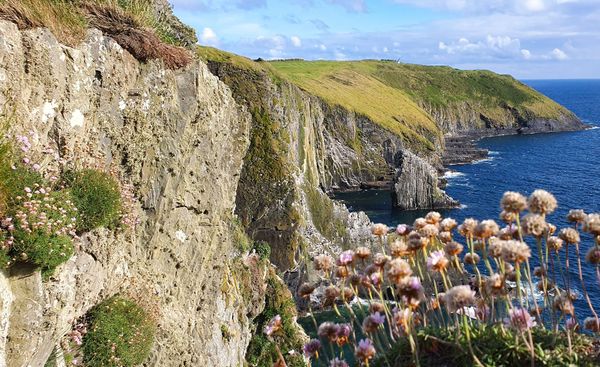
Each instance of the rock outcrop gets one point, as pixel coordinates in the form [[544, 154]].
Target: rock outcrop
[[180, 138]]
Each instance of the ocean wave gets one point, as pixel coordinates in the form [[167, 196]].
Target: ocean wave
[[452, 174], [489, 159], [493, 152], [594, 128]]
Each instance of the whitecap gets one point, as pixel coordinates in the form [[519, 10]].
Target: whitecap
[[452, 174], [484, 160], [493, 152]]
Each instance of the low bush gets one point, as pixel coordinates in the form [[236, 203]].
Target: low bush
[[97, 196], [262, 249], [120, 334]]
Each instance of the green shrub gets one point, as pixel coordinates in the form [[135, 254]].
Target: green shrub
[[263, 249], [44, 251], [120, 334], [14, 178], [97, 196]]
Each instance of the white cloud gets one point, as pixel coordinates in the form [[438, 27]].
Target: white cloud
[[296, 41], [358, 6], [495, 46], [535, 5], [526, 54], [209, 37], [559, 54], [322, 47]]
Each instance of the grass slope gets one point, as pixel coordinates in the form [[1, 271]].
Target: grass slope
[[403, 98], [397, 96]]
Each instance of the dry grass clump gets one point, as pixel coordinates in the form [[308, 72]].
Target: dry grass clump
[[141, 42], [130, 23]]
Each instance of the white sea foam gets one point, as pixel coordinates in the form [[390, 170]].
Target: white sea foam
[[453, 174], [489, 159], [493, 152]]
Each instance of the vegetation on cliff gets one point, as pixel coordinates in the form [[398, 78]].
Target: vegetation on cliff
[[120, 334], [139, 26]]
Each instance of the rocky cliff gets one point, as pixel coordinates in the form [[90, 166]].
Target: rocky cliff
[[302, 147], [179, 138]]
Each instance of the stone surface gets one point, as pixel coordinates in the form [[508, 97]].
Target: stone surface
[[179, 137]]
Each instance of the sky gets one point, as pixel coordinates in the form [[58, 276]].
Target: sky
[[530, 39]]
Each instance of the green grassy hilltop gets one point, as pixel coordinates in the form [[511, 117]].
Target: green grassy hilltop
[[407, 99]]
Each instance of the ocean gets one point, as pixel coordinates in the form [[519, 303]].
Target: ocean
[[566, 164]]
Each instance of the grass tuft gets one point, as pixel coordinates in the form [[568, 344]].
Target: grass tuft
[[97, 196], [121, 334]]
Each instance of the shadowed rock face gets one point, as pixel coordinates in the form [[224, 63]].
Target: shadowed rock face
[[179, 137]]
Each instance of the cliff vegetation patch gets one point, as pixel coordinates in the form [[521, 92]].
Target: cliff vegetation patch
[[135, 24], [120, 334]]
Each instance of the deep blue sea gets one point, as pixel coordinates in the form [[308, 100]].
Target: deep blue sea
[[566, 164]]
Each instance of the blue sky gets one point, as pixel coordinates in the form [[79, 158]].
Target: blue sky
[[530, 39]]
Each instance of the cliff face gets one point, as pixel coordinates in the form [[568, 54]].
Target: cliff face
[[180, 138], [302, 147]]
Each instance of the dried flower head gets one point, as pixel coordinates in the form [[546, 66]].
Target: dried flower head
[[592, 324], [328, 330], [398, 248], [365, 350], [445, 237], [343, 334], [380, 259], [379, 229], [429, 230], [591, 224], [542, 202], [513, 202], [520, 319], [341, 272], [495, 247], [576, 216], [416, 242], [515, 251], [540, 272], [555, 243], [323, 262], [486, 229], [509, 232], [331, 294], [433, 217], [437, 261], [459, 297], [472, 259], [372, 322], [508, 217], [453, 248], [376, 307], [564, 304], [534, 225], [467, 228], [398, 269], [593, 255], [448, 224], [495, 285], [410, 288], [305, 290], [419, 223], [569, 235], [363, 252]]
